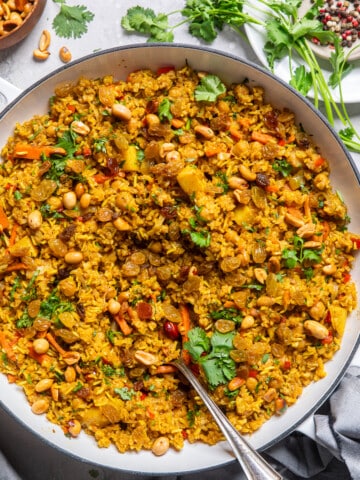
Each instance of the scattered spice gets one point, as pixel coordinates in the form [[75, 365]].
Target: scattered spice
[[342, 18]]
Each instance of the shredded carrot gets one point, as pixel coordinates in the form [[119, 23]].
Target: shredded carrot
[[307, 209], [177, 122], [4, 221], [51, 339], [124, 326], [261, 137], [244, 123], [272, 188], [16, 266], [186, 324], [325, 230], [11, 378], [100, 178], [163, 369], [319, 161], [13, 234], [39, 357], [6, 346], [35, 152], [212, 150], [235, 132], [229, 304]]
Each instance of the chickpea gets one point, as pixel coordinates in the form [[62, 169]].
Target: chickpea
[[251, 383], [113, 306], [35, 219], [40, 345], [69, 200], [85, 200], [160, 446], [73, 257]]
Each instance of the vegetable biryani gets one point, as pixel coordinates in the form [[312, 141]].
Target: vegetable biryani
[[167, 211]]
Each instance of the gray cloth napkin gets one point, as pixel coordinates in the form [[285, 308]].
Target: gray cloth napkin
[[333, 455]]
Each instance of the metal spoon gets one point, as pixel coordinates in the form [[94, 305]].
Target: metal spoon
[[254, 466]]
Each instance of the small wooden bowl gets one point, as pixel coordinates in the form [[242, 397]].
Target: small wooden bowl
[[20, 32]]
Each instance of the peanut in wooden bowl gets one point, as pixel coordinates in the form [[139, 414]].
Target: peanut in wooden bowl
[[18, 33]]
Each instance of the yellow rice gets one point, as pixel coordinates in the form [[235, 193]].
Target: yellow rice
[[199, 211]]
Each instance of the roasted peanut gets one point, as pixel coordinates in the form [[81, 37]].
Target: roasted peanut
[[43, 385], [73, 257], [204, 132], [306, 231], [329, 269], [121, 225], [80, 127], [145, 358], [247, 174], [121, 112], [316, 329], [160, 446], [40, 406], [247, 322], [74, 428], [65, 54], [294, 221], [44, 42], [41, 55]]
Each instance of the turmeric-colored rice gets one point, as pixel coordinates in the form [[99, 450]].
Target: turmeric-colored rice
[[136, 213]]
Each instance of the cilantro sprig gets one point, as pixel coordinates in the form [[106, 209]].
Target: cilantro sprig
[[299, 255], [212, 354], [287, 36], [71, 21]]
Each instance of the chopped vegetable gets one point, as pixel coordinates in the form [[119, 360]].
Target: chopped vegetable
[[34, 152]]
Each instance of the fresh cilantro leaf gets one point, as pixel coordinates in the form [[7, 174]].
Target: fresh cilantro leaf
[[71, 22], [145, 20], [282, 166], [209, 89], [48, 212], [201, 239], [301, 80], [290, 257], [227, 314], [25, 321], [68, 142], [30, 292], [224, 184], [15, 286], [197, 344], [100, 144], [52, 306], [125, 393], [164, 110]]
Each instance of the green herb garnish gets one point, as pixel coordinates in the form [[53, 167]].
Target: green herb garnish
[[209, 89], [71, 22], [213, 354]]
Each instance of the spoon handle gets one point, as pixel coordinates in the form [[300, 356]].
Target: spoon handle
[[254, 466]]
